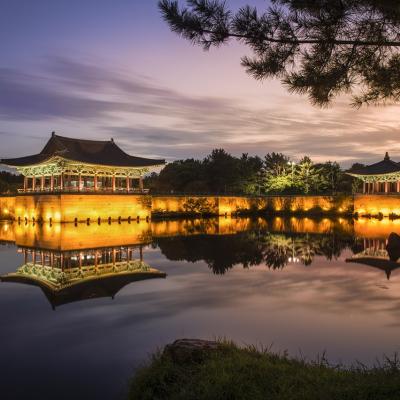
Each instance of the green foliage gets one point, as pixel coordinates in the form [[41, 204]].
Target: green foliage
[[199, 205], [316, 48], [230, 372], [222, 173], [308, 176], [277, 174], [277, 184], [219, 173], [180, 175], [332, 175]]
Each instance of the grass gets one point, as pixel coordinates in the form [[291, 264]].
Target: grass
[[231, 373]]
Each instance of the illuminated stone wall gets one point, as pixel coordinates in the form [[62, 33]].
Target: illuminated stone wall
[[68, 207], [7, 207], [377, 204], [230, 205]]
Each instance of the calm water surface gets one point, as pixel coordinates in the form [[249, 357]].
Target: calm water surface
[[82, 306]]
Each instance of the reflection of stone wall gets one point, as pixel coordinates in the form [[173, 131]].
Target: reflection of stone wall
[[377, 204], [67, 207], [199, 226], [7, 232], [376, 229], [7, 207], [309, 225], [220, 205], [71, 237]]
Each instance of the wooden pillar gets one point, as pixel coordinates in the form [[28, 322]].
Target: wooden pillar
[[95, 183], [364, 187], [25, 256], [127, 184], [386, 187], [113, 256], [52, 183], [33, 257], [62, 181], [42, 183], [33, 183], [398, 186], [141, 253], [25, 183], [141, 183], [113, 183], [79, 182]]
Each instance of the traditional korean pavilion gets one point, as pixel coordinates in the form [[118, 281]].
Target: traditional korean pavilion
[[381, 177], [80, 165]]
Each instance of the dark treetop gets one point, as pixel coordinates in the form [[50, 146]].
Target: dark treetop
[[103, 152]]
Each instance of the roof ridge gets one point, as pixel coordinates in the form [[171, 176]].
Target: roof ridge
[[82, 140]]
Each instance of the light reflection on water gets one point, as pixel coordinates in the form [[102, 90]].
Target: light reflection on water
[[282, 281]]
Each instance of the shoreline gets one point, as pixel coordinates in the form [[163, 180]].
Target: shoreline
[[199, 369]]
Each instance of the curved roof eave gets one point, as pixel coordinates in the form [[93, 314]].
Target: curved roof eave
[[54, 157]]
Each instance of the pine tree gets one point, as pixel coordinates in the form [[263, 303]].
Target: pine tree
[[319, 48]]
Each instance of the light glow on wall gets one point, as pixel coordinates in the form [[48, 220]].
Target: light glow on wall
[[374, 205]]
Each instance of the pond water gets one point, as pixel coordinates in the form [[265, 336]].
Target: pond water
[[83, 306]]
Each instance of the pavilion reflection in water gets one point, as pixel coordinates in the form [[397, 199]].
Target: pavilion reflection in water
[[377, 253], [72, 262], [76, 269]]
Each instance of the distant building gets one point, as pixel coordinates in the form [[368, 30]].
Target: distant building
[[80, 165], [381, 177]]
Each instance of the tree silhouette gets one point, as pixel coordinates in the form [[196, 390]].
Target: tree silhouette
[[319, 48]]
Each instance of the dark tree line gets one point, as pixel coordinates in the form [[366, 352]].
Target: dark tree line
[[9, 183], [319, 48], [223, 173]]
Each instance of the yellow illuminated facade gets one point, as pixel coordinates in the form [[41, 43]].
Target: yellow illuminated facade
[[81, 208], [69, 207], [374, 205], [228, 205]]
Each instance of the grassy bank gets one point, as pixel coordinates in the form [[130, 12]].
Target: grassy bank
[[230, 372]]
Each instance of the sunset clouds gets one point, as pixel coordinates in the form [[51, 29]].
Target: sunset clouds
[[161, 97]]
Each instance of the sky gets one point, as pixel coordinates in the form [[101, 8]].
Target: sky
[[98, 69]]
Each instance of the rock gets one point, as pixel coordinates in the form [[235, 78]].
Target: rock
[[393, 246], [190, 350]]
